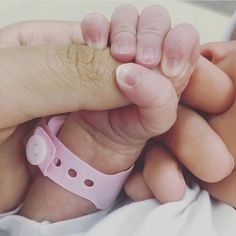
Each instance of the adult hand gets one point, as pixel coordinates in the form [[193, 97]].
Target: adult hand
[[49, 79], [206, 150], [223, 56]]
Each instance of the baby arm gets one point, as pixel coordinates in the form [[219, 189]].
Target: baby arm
[[110, 141]]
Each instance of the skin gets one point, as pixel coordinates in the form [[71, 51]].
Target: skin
[[194, 96], [59, 75], [45, 34], [124, 129], [223, 55], [106, 157], [112, 140], [184, 134], [169, 115], [28, 36], [69, 61]]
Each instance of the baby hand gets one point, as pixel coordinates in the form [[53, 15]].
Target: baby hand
[[148, 39]]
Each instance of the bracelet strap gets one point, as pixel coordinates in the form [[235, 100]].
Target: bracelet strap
[[67, 170]]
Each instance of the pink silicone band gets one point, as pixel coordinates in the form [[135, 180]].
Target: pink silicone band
[[47, 151]]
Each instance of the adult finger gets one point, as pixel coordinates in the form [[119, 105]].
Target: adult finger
[[136, 187], [163, 174], [95, 29], [154, 23], [123, 33], [198, 147], [42, 80], [40, 33]]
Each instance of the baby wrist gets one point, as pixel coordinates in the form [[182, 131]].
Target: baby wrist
[[63, 167]]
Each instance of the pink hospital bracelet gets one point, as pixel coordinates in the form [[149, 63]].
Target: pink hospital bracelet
[[63, 167]]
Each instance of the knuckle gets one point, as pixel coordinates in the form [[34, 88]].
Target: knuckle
[[154, 21], [78, 59], [123, 29], [156, 14], [89, 71], [88, 64], [64, 66], [151, 30]]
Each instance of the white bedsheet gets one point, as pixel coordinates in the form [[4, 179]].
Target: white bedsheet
[[195, 215]]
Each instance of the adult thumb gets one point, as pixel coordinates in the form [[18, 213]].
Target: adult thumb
[[38, 81]]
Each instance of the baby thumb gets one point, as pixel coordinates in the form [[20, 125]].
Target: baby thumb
[[154, 96]]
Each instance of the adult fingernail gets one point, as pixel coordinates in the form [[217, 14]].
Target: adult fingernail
[[173, 66], [127, 76], [148, 54], [96, 41]]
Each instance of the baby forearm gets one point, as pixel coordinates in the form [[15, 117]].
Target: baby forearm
[[48, 201]]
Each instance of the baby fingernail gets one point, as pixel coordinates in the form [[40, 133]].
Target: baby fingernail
[[173, 66], [123, 47], [148, 54], [127, 76], [96, 41]]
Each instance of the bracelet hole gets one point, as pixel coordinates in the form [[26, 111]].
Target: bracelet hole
[[72, 173], [57, 162], [88, 182]]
